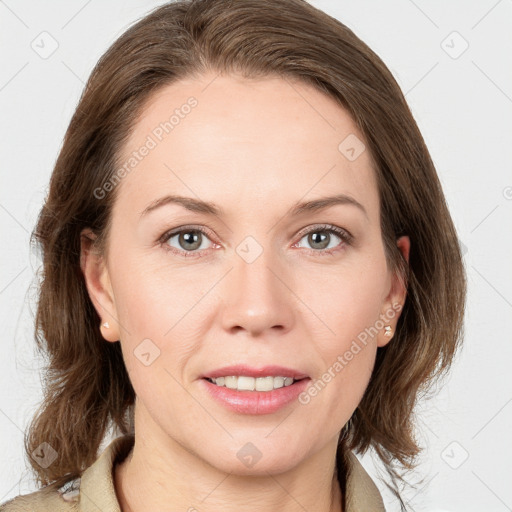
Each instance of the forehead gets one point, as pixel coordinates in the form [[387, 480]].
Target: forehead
[[237, 140]]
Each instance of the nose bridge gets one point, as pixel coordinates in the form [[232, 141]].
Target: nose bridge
[[257, 299]]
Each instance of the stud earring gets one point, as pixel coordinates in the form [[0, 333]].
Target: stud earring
[[388, 332], [106, 325]]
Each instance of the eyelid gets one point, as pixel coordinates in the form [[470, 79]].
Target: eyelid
[[191, 227], [341, 232], [346, 237], [163, 239]]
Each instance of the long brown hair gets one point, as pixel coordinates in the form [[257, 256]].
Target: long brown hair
[[87, 389]]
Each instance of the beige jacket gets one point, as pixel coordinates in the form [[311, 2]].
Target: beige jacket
[[95, 492]]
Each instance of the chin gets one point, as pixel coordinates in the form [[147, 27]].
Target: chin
[[254, 459]]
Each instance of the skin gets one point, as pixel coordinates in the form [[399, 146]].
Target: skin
[[254, 148]]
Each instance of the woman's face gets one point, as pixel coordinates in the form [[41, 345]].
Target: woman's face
[[253, 279]]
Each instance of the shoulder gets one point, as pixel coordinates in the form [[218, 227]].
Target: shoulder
[[50, 498], [93, 490]]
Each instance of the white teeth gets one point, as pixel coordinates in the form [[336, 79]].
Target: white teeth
[[244, 383], [278, 382], [230, 382]]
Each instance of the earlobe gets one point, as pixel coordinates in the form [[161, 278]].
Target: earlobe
[[98, 285]]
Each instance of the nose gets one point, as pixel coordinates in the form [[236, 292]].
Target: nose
[[257, 298]]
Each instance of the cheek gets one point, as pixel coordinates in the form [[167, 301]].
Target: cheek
[[151, 310], [151, 299], [349, 303], [347, 358], [158, 308]]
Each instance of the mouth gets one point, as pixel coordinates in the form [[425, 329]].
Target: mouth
[[242, 399], [248, 383], [249, 390], [248, 378]]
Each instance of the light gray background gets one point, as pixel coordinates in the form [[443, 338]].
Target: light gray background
[[462, 102]]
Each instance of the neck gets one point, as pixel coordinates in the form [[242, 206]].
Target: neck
[[156, 475]]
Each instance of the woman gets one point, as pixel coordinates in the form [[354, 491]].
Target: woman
[[250, 271]]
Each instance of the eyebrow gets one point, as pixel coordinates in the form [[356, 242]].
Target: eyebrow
[[199, 206]]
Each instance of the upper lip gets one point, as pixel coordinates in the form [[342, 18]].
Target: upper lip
[[250, 371]]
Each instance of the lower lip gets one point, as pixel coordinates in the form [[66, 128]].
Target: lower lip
[[256, 402]]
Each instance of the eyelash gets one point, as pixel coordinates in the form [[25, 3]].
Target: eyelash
[[345, 236]]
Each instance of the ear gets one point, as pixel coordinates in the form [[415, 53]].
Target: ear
[[98, 285], [394, 302]]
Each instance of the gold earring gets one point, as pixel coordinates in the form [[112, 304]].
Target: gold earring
[[106, 325], [388, 332]]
